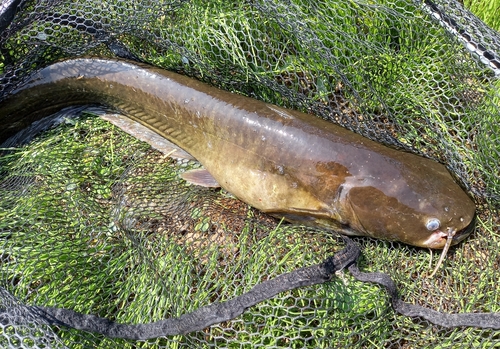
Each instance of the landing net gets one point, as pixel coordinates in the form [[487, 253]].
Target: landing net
[[93, 220]]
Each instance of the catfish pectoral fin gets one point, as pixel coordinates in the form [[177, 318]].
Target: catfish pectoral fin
[[315, 218], [291, 217], [200, 177], [304, 216]]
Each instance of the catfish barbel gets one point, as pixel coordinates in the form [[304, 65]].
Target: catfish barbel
[[281, 161]]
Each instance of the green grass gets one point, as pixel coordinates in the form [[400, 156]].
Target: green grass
[[486, 10], [66, 241]]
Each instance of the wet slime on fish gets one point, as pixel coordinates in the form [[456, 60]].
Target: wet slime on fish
[[284, 162]]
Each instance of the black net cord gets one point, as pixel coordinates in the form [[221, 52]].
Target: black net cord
[[225, 311]]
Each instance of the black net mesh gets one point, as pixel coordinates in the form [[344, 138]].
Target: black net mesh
[[93, 220]]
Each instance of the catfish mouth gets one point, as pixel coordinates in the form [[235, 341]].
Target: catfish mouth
[[453, 237], [449, 236]]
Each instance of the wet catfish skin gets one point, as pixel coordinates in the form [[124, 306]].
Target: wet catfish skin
[[280, 161]]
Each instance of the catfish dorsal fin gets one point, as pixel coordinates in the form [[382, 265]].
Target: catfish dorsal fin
[[201, 177]]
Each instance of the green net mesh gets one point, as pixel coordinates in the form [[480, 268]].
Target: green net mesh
[[92, 219]]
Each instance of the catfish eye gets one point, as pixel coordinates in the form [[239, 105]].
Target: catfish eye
[[433, 224]]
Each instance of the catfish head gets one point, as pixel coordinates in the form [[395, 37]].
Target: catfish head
[[416, 202]]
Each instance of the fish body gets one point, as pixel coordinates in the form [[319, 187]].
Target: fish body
[[283, 162]]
